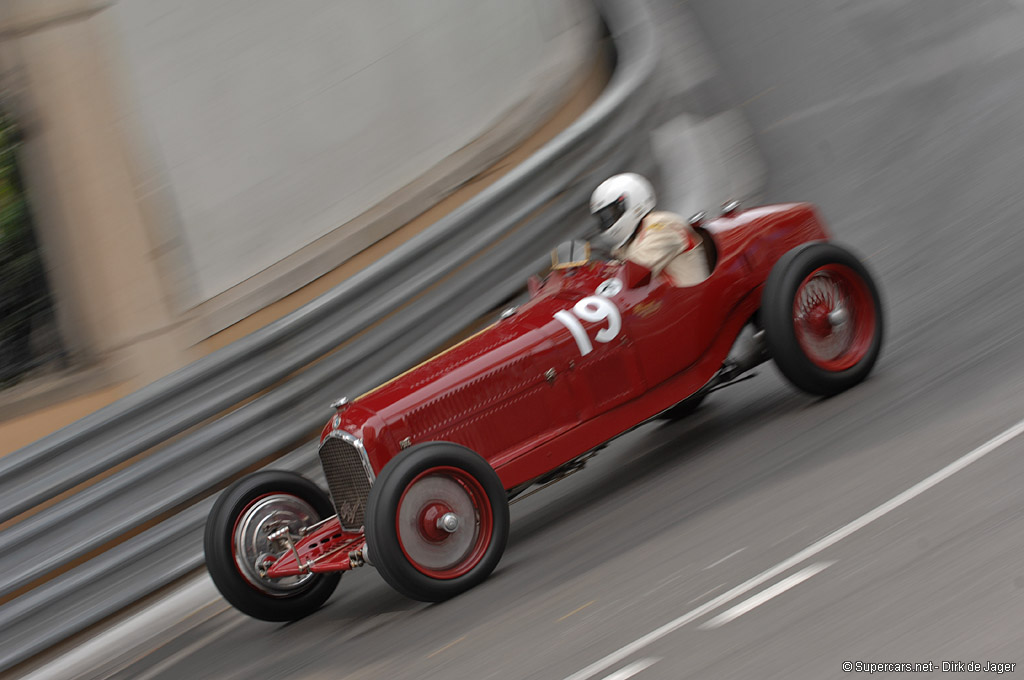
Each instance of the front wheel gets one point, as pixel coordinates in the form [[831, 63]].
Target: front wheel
[[437, 521], [237, 545], [822, 318]]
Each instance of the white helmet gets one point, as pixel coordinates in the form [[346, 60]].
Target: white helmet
[[619, 203]]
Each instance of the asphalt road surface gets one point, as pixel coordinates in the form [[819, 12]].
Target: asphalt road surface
[[773, 535]]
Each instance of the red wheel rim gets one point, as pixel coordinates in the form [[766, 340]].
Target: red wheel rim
[[433, 495], [834, 317]]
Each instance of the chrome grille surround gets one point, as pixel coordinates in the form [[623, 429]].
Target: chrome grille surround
[[349, 476]]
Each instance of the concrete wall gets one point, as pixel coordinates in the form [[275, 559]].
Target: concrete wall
[[190, 162], [273, 123]]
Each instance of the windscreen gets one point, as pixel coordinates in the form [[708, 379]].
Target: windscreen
[[574, 253]]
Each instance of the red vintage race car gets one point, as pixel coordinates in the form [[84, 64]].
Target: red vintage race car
[[421, 469]]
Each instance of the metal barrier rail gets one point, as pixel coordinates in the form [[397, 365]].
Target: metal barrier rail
[[415, 298]]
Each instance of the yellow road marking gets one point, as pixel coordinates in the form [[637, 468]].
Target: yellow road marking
[[757, 96], [577, 610], [447, 646]]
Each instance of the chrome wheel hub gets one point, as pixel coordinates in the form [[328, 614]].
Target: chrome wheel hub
[[821, 312], [258, 541], [429, 525], [448, 522], [838, 317]]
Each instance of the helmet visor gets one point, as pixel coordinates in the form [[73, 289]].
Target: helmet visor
[[610, 214]]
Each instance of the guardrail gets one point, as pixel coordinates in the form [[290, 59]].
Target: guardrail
[[370, 327]]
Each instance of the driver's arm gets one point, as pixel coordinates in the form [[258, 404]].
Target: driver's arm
[[657, 244]]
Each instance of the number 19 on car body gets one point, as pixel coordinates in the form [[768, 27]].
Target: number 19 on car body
[[594, 309]]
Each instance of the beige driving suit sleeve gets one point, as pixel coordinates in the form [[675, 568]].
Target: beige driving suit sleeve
[[665, 243]]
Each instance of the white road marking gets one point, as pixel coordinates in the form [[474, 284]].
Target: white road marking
[[766, 594], [706, 593], [805, 554], [717, 562], [632, 669]]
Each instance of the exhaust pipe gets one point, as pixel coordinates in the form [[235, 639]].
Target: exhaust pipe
[[748, 351]]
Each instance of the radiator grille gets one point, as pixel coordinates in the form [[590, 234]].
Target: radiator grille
[[347, 481]]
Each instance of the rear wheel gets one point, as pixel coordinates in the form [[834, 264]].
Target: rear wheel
[[238, 548], [437, 521], [822, 318]]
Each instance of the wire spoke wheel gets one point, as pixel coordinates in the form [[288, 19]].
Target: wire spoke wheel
[[822, 318], [834, 317]]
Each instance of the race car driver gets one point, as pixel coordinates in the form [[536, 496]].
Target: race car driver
[[658, 241]]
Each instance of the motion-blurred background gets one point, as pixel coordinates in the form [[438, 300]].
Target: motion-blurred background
[[216, 217], [188, 167]]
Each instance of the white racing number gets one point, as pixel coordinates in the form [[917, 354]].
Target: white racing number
[[593, 309]]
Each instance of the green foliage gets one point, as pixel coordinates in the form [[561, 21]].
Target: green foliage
[[24, 296]]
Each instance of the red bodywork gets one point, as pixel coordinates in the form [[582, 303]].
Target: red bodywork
[[523, 395]]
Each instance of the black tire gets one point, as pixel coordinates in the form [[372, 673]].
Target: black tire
[[262, 598], [439, 478], [815, 353]]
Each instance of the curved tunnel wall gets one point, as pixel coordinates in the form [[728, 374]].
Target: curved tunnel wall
[[270, 124]]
